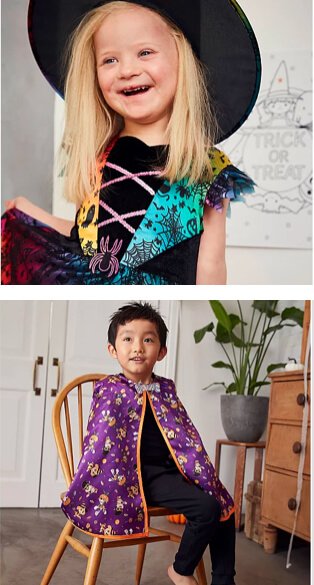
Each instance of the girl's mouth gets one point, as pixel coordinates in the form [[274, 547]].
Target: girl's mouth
[[135, 90]]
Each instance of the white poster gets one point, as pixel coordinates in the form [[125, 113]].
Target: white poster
[[274, 147]]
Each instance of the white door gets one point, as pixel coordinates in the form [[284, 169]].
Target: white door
[[24, 348], [79, 344]]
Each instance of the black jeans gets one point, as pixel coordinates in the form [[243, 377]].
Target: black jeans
[[165, 486]]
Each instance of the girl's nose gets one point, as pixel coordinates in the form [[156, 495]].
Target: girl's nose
[[128, 68]]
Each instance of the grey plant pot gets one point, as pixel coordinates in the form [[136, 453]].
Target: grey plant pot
[[244, 418]]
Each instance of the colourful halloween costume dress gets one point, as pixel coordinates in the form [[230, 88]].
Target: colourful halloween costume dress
[[135, 228], [106, 497]]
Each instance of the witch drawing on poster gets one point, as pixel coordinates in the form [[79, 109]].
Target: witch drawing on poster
[[275, 144]]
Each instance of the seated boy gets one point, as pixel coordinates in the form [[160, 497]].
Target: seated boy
[[141, 448]]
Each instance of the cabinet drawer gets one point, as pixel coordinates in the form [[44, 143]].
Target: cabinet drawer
[[284, 404], [280, 452], [278, 489]]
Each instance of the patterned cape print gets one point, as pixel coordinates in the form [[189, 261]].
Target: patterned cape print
[[106, 497], [157, 241]]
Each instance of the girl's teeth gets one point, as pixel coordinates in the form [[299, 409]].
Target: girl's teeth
[[135, 90]]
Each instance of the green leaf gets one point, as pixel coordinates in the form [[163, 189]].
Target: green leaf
[[199, 333], [221, 315], [277, 327], [267, 307], [235, 320], [231, 388], [223, 365], [215, 384], [293, 314], [222, 335], [255, 384], [237, 341], [273, 367]]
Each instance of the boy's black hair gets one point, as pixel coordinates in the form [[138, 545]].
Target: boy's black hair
[[134, 311]]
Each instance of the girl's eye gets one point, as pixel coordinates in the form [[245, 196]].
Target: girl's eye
[[109, 61], [149, 339], [127, 339], [145, 52]]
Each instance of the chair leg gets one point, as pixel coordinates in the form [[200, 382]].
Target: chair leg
[[57, 553], [200, 572], [139, 562], [93, 561]]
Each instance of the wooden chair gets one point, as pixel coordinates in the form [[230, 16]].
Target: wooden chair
[[73, 409]]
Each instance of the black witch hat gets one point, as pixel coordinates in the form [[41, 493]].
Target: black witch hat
[[218, 30]]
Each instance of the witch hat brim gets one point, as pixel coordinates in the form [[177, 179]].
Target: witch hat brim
[[218, 31]]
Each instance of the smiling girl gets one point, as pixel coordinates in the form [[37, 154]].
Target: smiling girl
[[151, 190], [139, 84]]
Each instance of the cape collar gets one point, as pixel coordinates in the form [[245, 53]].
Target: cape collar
[[139, 387]]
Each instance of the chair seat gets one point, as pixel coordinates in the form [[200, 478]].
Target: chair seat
[[158, 511]]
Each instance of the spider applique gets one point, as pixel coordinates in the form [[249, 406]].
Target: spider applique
[[106, 260]]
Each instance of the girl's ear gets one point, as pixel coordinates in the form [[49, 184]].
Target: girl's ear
[[162, 354], [112, 351]]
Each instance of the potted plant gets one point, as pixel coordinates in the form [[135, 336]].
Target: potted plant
[[245, 346]]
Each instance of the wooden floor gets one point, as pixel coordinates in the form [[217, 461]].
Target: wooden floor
[[28, 537]]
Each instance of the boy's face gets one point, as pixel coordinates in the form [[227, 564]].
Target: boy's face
[[137, 349]]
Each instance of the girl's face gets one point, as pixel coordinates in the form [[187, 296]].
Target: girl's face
[[137, 349], [137, 67]]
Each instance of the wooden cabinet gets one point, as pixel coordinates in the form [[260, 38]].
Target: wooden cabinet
[[283, 449]]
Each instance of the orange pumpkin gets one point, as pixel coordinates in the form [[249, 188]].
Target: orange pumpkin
[[177, 518]]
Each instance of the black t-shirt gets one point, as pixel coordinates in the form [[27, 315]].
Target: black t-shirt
[[153, 446]]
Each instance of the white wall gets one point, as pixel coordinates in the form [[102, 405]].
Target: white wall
[[194, 372], [279, 26], [27, 113], [269, 266]]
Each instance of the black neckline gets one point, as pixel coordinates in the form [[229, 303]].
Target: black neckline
[[130, 138]]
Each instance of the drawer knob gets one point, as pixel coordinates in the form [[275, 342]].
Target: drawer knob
[[297, 447], [301, 399], [292, 504]]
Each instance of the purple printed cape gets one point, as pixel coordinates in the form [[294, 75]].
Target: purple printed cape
[[106, 496]]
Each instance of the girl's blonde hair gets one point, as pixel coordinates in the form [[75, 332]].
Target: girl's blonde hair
[[90, 124]]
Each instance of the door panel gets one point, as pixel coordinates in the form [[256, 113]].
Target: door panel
[[24, 336]]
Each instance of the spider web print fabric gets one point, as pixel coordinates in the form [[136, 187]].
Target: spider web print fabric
[[135, 228]]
